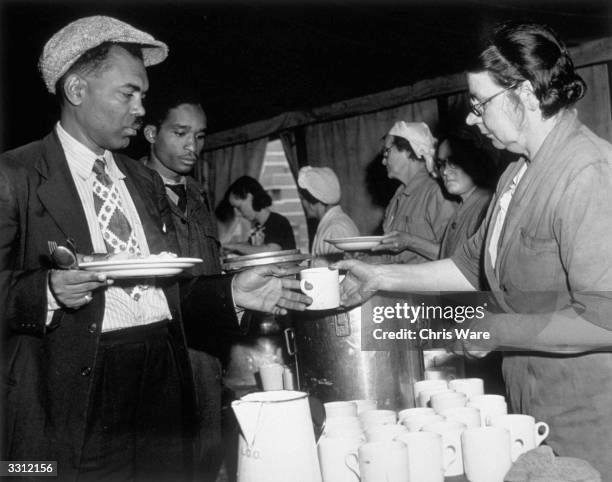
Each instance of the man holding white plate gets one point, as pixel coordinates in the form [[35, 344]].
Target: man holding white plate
[[98, 377]]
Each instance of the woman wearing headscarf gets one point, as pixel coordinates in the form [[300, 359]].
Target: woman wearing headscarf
[[419, 207], [544, 246], [320, 191]]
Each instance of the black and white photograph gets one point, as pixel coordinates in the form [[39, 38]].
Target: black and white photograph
[[306, 240]]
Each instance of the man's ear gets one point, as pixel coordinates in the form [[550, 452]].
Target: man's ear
[[74, 89], [150, 133]]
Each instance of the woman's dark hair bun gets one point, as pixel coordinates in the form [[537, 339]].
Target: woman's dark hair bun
[[574, 90], [562, 89]]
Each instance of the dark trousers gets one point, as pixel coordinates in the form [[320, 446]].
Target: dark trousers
[[135, 427], [207, 380]]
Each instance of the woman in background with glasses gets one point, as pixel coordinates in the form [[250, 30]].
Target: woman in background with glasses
[[419, 209], [466, 174], [545, 246]]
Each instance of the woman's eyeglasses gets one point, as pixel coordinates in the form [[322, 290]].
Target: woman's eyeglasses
[[479, 108], [442, 164]]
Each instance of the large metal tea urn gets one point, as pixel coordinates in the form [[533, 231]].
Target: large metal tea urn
[[334, 362]]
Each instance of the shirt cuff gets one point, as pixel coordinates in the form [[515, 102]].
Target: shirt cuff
[[239, 311], [52, 304]]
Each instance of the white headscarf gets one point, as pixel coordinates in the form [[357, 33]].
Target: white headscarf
[[321, 182], [419, 136]]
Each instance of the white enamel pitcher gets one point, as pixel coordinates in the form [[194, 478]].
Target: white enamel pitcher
[[277, 443]]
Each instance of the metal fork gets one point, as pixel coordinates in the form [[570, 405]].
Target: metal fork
[[52, 245]]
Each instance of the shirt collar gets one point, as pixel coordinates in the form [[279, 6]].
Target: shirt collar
[[81, 159], [182, 180], [172, 182]]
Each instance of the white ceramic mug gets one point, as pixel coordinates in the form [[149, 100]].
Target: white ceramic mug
[[525, 432], [470, 416], [377, 461], [411, 412], [365, 405], [486, 453], [444, 400], [332, 452], [340, 409], [425, 395], [271, 376], [324, 287], [343, 427], [421, 385], [488, 398], [377, 417], [490, 406], [425, 454], [472, 387], [381, 433], [414, 423], [451, 437]]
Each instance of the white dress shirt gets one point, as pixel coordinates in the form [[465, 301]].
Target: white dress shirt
[[504, 202], [120, 310]]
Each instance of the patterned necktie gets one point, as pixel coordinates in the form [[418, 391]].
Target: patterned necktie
[[116, 230], [114, 225], [181, 192]]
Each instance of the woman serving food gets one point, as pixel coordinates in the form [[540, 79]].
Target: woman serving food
[[544, 246]]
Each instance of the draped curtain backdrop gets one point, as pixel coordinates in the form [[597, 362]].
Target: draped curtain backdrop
[[349, 145], [289, 142], [229, 163]]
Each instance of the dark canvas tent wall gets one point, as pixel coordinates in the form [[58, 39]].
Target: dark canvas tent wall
[[346, 135]]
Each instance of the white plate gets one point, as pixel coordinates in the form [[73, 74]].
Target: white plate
[[359, 243], [141, 268]]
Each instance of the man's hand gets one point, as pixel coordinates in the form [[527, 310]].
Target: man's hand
[[73, 288], [264, 288], [394, 241], [360, 282]]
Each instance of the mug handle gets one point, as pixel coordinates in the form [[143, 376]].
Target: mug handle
[[348, 458], [518, 449], [303, 286], [540, 435], [447, 460]]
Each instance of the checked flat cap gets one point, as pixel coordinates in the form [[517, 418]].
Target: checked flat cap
[[66, 46]]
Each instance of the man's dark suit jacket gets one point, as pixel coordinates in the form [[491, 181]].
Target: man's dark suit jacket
[[48, 369]]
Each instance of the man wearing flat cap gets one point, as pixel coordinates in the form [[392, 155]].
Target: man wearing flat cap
[[98, 377], [320, 191]]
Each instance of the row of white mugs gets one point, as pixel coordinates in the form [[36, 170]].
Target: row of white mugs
[[455, 425]]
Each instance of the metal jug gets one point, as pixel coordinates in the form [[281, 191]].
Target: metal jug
[[277, 441]]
